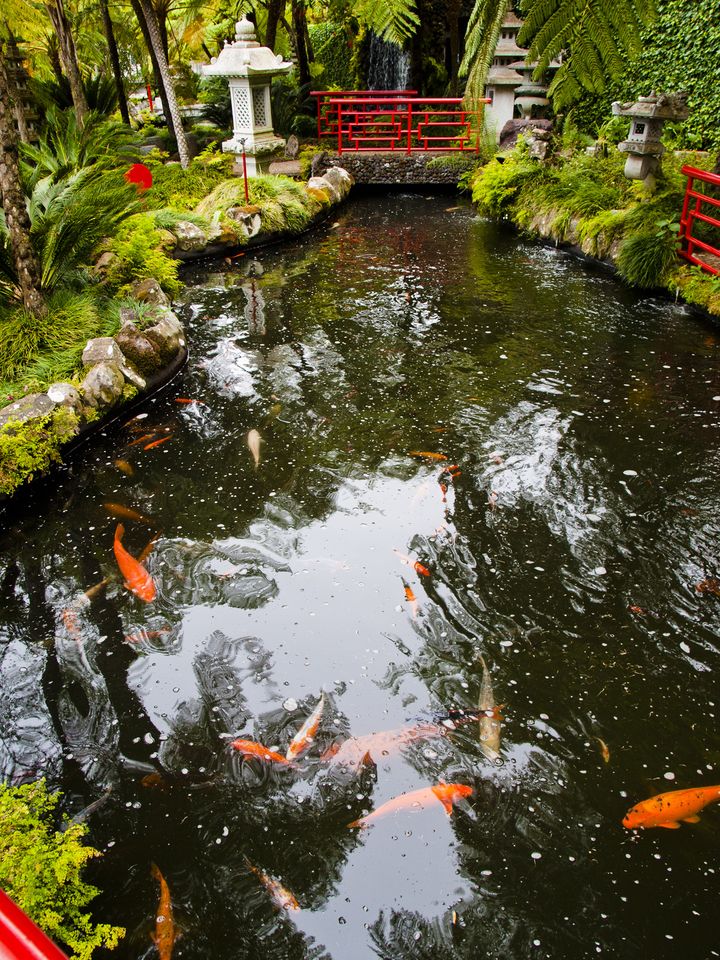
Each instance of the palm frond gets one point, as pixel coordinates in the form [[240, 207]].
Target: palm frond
[[393, 20], [480, 41]]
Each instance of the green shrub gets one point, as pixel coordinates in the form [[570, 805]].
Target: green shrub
[[644, 258], [40, 868], [184, 189], [138, 249], [497, 184], [36, 351]]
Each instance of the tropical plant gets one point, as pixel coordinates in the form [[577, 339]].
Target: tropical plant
[[138, 253], [64, 147], [481, 37], [41, 867], [393, 20]]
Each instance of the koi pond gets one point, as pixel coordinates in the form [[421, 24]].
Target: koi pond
[[467, 446]]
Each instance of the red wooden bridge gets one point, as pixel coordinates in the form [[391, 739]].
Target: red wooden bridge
[[698, 207], [373, 121]]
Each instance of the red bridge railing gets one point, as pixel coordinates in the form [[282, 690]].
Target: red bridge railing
[[397, 121], [692, 212], [20, 939]]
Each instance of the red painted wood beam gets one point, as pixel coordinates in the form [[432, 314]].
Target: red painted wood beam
[[20, 938]]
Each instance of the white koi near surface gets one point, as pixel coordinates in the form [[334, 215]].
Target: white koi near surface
[[253, 441], [489, 718]]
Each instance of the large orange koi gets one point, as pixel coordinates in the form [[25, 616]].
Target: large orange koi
[[443, 793], [136, 576], [165, 935], [667, 809]]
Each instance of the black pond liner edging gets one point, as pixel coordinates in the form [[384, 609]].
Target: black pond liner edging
[[154, 385]]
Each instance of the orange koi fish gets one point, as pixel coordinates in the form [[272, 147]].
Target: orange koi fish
[[156, 443], [281, 896], [120, 512], [142, 439], [419, 568], [489, 727], [426, 455], [250, 748], [604, 750], [143, 635], [304, 737], [124, 467], [136, 576], [708, 585], [411, 598], [165, 935], [444, 793], [184, 400], [667, 809]]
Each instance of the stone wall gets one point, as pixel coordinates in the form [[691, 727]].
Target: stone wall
[[415, 169]]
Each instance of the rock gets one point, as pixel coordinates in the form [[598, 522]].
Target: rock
[[167, 336], [320, 183], [513, 128], [104, 262], [292, 147], [140, 351], [103, 386], [248, 217], [318, 164], [222, 231], [100, 349], [340, 179], [65, 395], [127, 315], [150, 291], [322, 195], [190, 237], [34, 405]]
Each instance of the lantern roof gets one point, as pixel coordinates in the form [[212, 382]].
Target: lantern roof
[[244, 57]]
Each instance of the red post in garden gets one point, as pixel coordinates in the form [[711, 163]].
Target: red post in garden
[[20, 938], [699, 252]]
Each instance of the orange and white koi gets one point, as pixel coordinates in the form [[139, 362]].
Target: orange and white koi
[[415, 564], [445, 794], [667, 809], [304, 737], [137, 579], [281, 896], [251, 748], [373, 746], [165, 935]]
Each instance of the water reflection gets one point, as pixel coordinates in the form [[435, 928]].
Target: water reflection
[[563, 537]]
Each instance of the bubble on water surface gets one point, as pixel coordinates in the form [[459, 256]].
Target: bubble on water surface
[[290, 704]]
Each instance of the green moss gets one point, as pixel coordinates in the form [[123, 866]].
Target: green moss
[[28, 449], [184, 189], [283, 204], [41, 867], [697, 287], [138, 248]]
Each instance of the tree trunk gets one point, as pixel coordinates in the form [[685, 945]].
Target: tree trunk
[[276, 10], [453, 17], [160, 10], [54, 58], [115, 61], [159, 85], [27, 265], [170, 104], [15, 99], [298, 37], [68, 56]]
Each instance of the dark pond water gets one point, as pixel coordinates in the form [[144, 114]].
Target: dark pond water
[[566, 550]]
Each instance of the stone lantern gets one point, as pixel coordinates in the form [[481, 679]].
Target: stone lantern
[[648, 114], [249, 69]]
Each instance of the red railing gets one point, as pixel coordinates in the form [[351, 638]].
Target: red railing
[[388, 120], [20, 939], [692, 212], [327, 114]]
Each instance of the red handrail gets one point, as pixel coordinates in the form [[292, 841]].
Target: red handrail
[[322, 97], [688, 243], [20, 938], [409, 124]]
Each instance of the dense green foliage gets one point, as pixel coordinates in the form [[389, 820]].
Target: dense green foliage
[[138, 253], [680, 51], [27, 450], [332, 45], [183, 189], [40, 867], [586, 200]]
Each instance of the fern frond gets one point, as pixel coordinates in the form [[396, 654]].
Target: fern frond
[[597, 36], [392, 20]]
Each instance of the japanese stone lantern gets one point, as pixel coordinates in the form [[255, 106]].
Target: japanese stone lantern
[[249, 69], [648, 114]]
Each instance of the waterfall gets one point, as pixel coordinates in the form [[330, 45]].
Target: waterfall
[[389, 67]]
